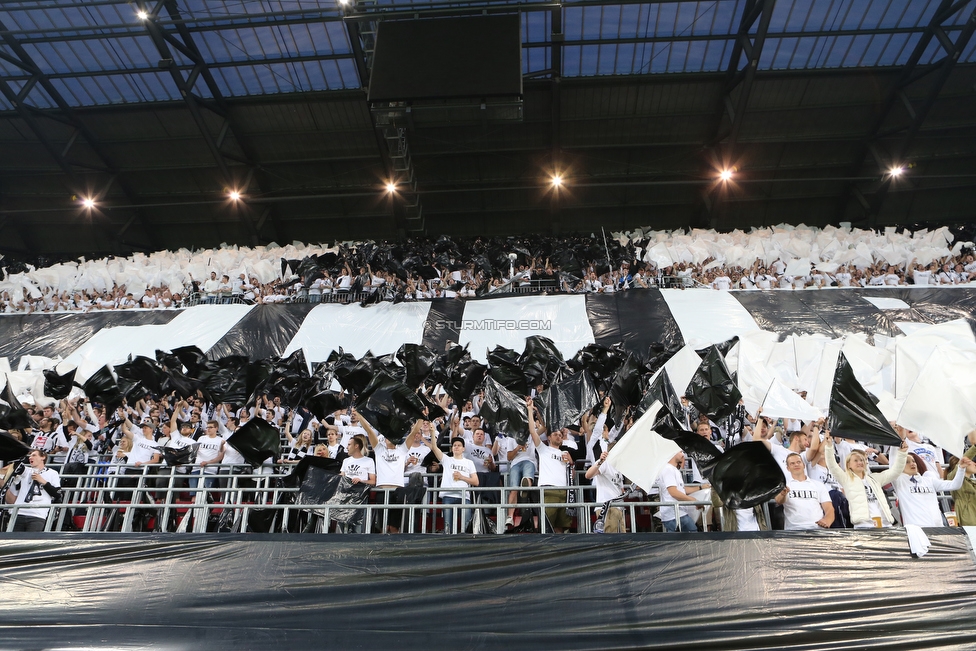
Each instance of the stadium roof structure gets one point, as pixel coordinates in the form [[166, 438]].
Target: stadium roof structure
[[126, 126]]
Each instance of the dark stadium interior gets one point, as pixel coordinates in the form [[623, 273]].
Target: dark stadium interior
[[638, 106]]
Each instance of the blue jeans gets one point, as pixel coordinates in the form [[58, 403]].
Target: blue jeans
[[520, 470], [687, 524], [451, 515], [208, 482]]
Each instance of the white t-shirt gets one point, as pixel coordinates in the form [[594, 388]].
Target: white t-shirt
[[804, 504], [552, 469], [669, 476], [609, 483], [143, 449], [450, 464], [418, 452], [917, 499], [928, 453], [208, 450], [390, 463], [360, 468], [528, 454], [231, 455], [478, 454], [823, 475], [30, 492]]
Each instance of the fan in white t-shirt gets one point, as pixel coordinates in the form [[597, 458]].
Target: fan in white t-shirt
[[806, 502]]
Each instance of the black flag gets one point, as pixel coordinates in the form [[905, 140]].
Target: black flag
[[853, 413]]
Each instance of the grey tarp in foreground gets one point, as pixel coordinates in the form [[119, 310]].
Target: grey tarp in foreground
[[800, 590]]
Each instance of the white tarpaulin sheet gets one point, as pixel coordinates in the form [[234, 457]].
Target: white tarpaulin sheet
[[380, 328], [913, 351], [641, 452], [681, 368], [508, 321], [200, 326], [941, 404], [887, 303], [706, 316]]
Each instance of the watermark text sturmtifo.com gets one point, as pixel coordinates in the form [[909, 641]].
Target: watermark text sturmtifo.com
[[493, 324]]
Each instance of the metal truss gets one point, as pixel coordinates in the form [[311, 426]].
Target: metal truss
[[906, 114], [174, 35], [391, 133], [730, 108], [19, 57]]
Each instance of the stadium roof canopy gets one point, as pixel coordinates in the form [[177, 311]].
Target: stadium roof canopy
[[157, 110]]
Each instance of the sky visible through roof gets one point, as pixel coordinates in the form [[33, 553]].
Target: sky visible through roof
[[99, 52]]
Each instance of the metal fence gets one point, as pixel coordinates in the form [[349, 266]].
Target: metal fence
[[163, 499]]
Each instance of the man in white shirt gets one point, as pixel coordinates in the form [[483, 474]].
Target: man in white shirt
[[211, 288], [806, 502], [671, 486], [554, 466], [38, 486], [609, 483]]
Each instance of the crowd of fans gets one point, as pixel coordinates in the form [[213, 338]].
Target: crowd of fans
[[828, 483], [779, 258]]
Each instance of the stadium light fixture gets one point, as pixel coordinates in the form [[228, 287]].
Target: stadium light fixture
[[896, 171], [725, 175], [557, 181], [234, 195], [391, 187], [88, 202]]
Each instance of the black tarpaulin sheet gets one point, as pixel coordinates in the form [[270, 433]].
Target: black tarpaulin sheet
[[635, 319], [58, 386], [51, 335], [264, 332], [746, 475], [853, 413], [563, 403], [11, 449], [712, 389], [390, 406], [256, 440], [505, 411], [831, 312], [443, 323], [929, 304], [764, 590]]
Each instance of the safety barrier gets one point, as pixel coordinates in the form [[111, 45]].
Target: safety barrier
[[189, 502]]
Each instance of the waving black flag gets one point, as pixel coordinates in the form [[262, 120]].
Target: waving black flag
[[101, 387], [390, 406], [11, 449], [505, 410], [670, 418], [58, 386], [625, 390], [853, 413], [698, 448], [712, 389], [747, 475], [257, 440], [418, 361], [563, 403]]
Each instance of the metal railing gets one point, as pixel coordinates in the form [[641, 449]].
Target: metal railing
[[230, 499]]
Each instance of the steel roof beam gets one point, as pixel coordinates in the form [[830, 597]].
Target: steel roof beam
[[181, 40], [871, 199], [721, 145], [68, 116]]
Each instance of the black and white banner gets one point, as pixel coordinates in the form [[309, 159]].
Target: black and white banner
[[636, 319]]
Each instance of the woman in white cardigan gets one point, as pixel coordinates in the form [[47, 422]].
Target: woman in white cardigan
[[863, 488]]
